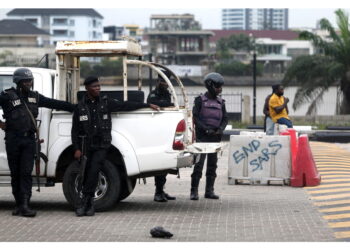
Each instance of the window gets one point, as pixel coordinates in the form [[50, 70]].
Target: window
[[71, 33], [6, 82], [71, 22], [60, 32], [60, 21], [33, 21]]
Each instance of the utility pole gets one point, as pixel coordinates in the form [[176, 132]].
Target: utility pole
[[150, 73]]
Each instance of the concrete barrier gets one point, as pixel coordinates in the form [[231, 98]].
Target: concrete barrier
[[258, 159]]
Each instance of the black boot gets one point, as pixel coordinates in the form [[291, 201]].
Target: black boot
[[24, 209], [90, 209], [209, 189], [80, 211], [194, 188], [159, 194], [160, 197], [169, 197], [15, 212]]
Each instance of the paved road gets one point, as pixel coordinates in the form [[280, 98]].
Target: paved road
[[332, 197], [244, 213]]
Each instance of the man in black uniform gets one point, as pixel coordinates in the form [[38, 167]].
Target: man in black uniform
[[161, 97], [92, 119], [20, 134], [210, 119]]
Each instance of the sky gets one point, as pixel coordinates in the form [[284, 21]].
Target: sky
[[301, 13]]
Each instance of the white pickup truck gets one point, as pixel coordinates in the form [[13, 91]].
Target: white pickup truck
[[144, 142]]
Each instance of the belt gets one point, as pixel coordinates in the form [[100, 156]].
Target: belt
[[22, 134]]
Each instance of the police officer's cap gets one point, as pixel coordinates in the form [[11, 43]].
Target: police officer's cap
[[90, 80]]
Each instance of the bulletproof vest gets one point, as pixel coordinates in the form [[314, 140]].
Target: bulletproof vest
[[211, 111], [103, 138], [16, 114]]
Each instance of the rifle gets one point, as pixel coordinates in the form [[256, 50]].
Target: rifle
[[38, 141], [82, 165]]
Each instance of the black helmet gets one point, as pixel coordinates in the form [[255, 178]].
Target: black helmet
[[22, 74], [166, 72], [212, 80]]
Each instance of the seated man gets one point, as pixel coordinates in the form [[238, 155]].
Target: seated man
[[269, 125], [160, 96], [278, 107]]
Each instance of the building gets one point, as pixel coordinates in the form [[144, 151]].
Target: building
[[63, 24], [19, 33], [275, 48], [21, 44], [113, 32], [255, 19], [178, 40]]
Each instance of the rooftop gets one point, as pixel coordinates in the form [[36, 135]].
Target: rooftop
[[67, 12], [19, 27], [273, 34]]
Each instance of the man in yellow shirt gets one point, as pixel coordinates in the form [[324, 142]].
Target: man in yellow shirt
[[278, 107]]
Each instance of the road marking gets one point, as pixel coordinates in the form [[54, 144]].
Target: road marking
[[335, 190], [339, 224], [335, 209], [333, 163], [329, 185], [329, 203], [336, 216]]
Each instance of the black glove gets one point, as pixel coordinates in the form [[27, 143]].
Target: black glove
[[160, 232], [219, 132], [210, 132]]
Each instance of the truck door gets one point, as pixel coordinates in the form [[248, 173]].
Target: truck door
[[5, 83]]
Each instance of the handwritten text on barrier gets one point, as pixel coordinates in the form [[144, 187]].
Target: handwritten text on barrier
[[254, 146]]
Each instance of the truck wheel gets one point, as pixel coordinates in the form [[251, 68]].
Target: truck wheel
[[107, 191], [126, 189]]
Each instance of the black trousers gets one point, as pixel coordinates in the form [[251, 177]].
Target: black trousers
[[211, 161], [160, 181], [20, 156], [95, 161]]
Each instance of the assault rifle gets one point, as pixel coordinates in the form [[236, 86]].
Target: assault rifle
[[37, 154], [82, 165]]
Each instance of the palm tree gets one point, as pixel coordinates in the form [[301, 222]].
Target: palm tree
[[316, 73]]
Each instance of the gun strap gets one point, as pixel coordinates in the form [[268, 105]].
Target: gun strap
[[32, 118]]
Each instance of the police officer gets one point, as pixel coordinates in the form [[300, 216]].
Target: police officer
[[92, 119], [161, 97], [20, 134], [210, 119]]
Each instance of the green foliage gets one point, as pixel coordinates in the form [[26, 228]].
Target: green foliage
[[316, 73], [236, 68], [238, 42], [107, 67]]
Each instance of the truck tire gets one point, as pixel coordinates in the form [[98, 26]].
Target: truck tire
[[108, 189], [125, 190]]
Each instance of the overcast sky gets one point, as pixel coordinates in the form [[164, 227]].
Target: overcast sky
[[208, 13]]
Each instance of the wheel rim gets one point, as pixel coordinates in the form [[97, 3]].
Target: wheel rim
[[102, 186]]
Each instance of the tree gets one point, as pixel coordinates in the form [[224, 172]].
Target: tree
[[238, 42], [316, 73]]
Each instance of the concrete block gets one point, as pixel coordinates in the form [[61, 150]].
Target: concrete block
[[257, 159]]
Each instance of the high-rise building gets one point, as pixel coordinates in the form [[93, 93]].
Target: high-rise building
[[255, 19]]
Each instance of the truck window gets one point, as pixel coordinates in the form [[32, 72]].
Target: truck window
[[6, 82]]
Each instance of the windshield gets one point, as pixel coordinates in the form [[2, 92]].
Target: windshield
[[6, 82]]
